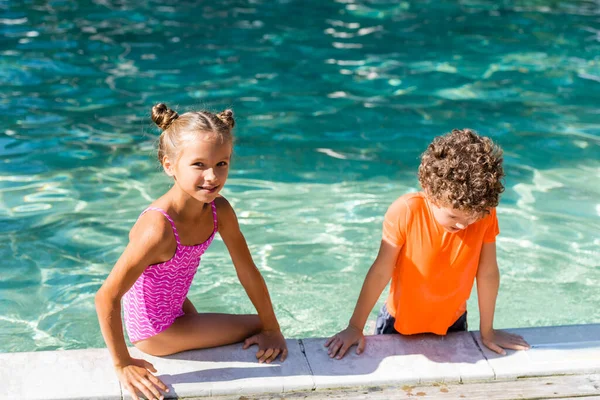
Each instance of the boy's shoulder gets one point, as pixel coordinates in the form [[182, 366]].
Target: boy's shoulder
[[406, 207], [410, 202], [413, 198]]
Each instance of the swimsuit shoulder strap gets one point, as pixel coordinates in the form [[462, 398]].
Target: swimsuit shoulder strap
[[163, 212], [214, 212]]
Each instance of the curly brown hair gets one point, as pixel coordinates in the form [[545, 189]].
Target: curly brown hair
[[463, 170]]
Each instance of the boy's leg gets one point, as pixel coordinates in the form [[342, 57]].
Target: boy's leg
[[199, 331], [460, 325], [385, 322]]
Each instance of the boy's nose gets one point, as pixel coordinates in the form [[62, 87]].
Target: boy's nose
[[460, 226]]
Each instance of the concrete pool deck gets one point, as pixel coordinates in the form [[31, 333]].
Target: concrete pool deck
[[390, 361]]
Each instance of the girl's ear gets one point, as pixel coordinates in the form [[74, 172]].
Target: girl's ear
[[168, 166]]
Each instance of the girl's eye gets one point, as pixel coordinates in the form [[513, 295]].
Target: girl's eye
[[221, 164], [198, 164]]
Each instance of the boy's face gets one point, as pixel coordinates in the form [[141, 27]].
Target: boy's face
[[453, 220]]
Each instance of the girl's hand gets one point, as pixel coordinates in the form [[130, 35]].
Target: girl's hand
[[497, 341], [344, 340], [136, 377], [270, 345]]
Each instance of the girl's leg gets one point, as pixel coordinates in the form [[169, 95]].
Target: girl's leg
[[199, 331]]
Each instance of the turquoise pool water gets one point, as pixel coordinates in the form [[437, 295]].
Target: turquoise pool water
[[334, 102]]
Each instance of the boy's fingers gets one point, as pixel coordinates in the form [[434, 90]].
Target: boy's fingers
[[328, 342], [516, 346], [495, 348], [361, 345], [343, 351], [523, 342], [519, 339], [336, 346], [331, 344]]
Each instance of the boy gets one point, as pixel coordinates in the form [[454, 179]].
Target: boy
[[434, 244]]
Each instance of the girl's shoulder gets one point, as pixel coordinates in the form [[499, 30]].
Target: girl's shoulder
[[153, 229], [223, 206], [226, 217]]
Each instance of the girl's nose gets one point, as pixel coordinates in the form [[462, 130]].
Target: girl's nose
[[210, 175]]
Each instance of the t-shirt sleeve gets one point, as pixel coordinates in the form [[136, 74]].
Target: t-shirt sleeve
[[395, 223], [492, 229]]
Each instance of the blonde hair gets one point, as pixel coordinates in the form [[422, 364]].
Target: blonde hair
[[177, 130]]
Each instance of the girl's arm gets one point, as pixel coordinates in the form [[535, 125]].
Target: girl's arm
[[270, 339], [377, 278], [488, 282], [150, 241]]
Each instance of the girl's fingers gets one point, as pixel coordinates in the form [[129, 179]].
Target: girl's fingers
[[158, 382], [284, 354], [273, 356], [266, 355], [143, 389], [146, 382], [250, 341], [260, 353], [149, 366], [132, 391]]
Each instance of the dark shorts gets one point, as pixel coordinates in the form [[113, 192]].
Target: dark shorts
[[385, 323]]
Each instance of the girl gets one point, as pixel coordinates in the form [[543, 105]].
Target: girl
[[154, 273]]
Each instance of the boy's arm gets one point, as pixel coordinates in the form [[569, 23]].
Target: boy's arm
[[376, 280], [488, 282]]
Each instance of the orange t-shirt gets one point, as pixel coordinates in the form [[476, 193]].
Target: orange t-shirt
[[435, 270]]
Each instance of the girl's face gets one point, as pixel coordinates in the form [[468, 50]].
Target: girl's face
[[453, 220], [202, 167]]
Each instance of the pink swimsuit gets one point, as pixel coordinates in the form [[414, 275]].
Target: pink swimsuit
[[155, 300]]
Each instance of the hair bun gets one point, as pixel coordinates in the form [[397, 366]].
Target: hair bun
[[163, 116], [226, 117]]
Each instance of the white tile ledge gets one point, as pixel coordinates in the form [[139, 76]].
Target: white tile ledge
[[229, 370]]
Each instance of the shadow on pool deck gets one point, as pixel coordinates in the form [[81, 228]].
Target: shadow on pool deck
[[230, 370]]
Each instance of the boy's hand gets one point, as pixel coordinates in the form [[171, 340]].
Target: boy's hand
[[137, 376], [270, 345], [340, 343], [497, 341]]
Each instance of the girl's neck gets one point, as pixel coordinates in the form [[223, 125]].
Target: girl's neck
[[184, 205]]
